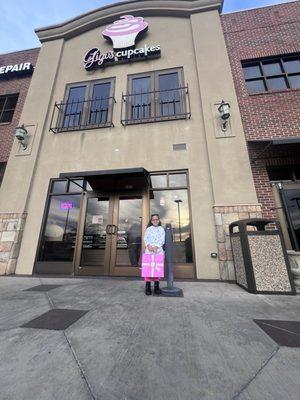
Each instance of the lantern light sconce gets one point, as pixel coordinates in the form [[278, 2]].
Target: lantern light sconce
[[224, 110], [21, 134]]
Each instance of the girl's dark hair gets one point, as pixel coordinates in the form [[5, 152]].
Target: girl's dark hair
[[150, 223]]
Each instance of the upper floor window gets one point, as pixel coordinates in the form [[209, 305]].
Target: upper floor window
[[7, 107], [86, 105], [155, 96], [272, 74]]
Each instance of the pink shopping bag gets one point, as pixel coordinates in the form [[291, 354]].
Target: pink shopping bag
[[153, 265]]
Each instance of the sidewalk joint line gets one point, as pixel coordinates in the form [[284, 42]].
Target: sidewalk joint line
[[80, 368], [236, 396], [93, 397]]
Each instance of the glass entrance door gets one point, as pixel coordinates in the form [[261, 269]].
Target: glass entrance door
[[95, 242], [110, 237], [127, 238], [290, 195]]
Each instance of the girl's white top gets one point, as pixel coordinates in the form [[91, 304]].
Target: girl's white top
[[155, 236]]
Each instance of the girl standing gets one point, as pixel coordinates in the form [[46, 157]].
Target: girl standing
[[154, 240]]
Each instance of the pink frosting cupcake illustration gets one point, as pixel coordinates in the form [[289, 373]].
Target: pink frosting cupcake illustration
[[124, 32]]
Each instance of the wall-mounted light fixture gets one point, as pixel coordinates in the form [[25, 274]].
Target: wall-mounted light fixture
[[224, 110], [21, 134]]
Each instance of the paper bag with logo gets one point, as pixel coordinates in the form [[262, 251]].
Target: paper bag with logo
[[153, 265]]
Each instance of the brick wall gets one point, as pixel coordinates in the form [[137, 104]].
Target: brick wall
[[10, 86], [264, 32]]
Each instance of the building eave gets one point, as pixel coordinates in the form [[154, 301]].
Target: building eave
[[105, 15]]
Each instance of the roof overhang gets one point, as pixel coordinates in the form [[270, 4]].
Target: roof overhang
[[105, 15], [268, 143], [277, 141], [113, 179]]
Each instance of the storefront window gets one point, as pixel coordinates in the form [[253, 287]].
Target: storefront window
[[177, 180], [59, 234], [76, 186], [158, 181], [172, 205], [59, 186]]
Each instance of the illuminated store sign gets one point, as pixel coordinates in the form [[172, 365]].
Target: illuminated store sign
[[10, 71], [66, 205], [123, 35]]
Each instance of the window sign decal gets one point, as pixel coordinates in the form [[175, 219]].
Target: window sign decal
[[66, 205], [123, 34]]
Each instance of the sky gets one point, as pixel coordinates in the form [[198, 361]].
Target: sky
[[19, 18]]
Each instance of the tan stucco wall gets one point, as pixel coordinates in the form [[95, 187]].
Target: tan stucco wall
[[218, 168]]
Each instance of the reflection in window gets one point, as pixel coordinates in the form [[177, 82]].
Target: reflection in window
[[292, 198], [74, 107], [158, 181], [59, 186], [59, 235], [7, 107], [129, 234], [173, 208], [141, 98], [256, 86], [73, 186], [169, 94], [99, 107], [177, 180]]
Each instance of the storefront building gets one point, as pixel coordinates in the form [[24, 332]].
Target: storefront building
[[264, 51], [123, 122], [15, 75]]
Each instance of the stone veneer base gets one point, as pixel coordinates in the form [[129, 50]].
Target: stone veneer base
[[11, 231], [224, 216]]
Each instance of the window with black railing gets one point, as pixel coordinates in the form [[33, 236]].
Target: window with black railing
[[156, 96], [87, 106]]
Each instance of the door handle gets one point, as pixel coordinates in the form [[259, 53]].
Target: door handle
[[108, 229], [114, 229]]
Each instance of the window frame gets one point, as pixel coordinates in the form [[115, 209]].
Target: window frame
[[89, 86], [3, 109], [155, 115], [260, 62]]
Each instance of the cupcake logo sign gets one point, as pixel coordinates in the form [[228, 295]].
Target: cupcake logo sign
[[123, 35]]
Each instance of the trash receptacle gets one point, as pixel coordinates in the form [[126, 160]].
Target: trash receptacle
[[260, 259]]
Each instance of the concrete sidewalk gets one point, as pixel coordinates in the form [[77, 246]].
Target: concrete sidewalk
[[129, 346]]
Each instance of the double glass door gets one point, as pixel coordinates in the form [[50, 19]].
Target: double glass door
[[110, 235]]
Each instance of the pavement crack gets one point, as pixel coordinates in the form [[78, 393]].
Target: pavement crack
[[265, 363], [93, 396]]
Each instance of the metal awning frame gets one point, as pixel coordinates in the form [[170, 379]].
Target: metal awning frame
[[274, 142]]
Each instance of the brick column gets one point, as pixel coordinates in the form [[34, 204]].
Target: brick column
[[224, 216], [11, 231]]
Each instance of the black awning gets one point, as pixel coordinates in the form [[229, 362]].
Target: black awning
[[113, 180]]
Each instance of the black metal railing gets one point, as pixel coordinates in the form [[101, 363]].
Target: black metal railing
[[157, 105], [82, 114]]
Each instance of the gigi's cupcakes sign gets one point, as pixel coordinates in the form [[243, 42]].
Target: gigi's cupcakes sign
[[123, 34]]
